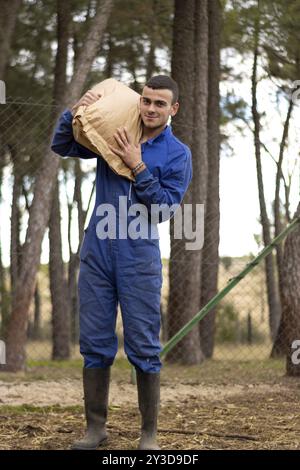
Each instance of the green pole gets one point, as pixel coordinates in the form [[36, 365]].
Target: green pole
[[232, 282]]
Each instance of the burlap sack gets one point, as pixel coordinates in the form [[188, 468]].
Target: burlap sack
[[94, 125]]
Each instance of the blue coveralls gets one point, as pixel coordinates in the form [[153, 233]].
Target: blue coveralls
[[129, 270]]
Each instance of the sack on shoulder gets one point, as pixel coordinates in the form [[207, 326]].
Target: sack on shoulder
[[95, 125]]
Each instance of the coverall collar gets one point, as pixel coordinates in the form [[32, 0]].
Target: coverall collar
[[166, 131]]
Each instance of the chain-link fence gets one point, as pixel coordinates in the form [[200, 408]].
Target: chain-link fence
[[240, 325]]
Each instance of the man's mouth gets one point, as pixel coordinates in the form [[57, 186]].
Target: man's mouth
[[150, 117]]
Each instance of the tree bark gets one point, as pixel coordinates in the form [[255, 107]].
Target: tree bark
[[189, 34], [4, 298], [109, 65], [154, 40], [272, 291], [58, 286], [4, 295], [33, 331], [40, 208], [278, 346], [15, 246], [74, 257], [58, 283], [199, 146], [210, 252], [36, 328], [8, 19], [291, 298]]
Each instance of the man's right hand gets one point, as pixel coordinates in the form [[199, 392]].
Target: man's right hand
[[88, 98]]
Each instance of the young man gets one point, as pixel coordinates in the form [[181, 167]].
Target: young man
[[126, 269]]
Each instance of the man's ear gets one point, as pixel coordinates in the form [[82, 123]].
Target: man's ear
[[174, 109]]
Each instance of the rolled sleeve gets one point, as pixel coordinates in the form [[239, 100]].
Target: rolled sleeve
[[63, 142]]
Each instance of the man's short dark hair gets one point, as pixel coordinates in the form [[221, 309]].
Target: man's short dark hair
[[162, 82]]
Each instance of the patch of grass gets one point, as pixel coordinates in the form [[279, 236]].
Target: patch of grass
[[25, 409], [55, 370], [120, 363], [64, 364], [220, 372]]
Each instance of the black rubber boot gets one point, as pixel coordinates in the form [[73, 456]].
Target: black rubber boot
[[148, 386], [95, 387]]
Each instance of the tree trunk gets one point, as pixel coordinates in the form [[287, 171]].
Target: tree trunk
[[109, 66], [15, 247], [199, 146], [291, 298], [36, 329], [154, 41], [74, 257], [184, 268], [4, 299], [58, 284], [8, 19], [4, 295], [278, 346], [64, 18], [40, 208], [33, 331], [150, 60], [210, 252], [272, 291]]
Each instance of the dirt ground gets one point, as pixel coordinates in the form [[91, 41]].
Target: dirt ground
[[218, 406]]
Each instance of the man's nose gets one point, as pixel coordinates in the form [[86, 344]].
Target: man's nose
[[152, 107]]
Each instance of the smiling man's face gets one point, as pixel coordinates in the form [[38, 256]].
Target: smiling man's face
[[156, 107]]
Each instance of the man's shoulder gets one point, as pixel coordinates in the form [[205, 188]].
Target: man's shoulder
[[176, 146], [178, 155]]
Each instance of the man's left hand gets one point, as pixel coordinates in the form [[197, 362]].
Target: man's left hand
[[128, 151]]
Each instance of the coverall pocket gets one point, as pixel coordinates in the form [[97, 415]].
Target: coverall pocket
[[147, 266], [147, 278], [149, 270]]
